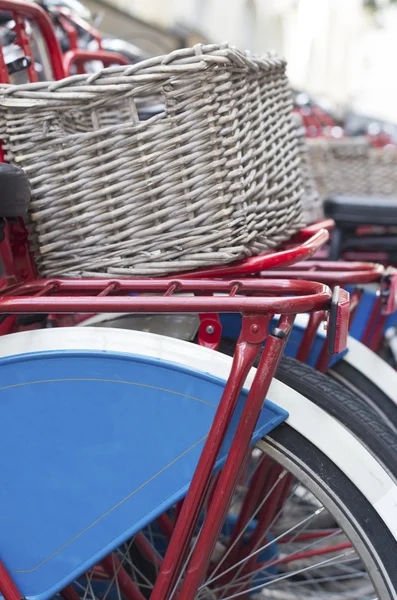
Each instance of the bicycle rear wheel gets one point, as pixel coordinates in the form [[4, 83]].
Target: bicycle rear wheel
[[335, 484], [310, 534]]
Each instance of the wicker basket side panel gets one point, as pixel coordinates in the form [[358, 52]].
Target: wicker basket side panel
[[351, 166], [348, 168], [382, 170], [283, 203], [312, 200]]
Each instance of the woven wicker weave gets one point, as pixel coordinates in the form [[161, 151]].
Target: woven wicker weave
[[312, 200], [212, 178], [353, 166]]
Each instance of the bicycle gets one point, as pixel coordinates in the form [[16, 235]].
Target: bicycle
[[193, 364]]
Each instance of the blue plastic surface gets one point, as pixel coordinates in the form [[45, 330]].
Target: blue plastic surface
[[363, 313], [93, 447]]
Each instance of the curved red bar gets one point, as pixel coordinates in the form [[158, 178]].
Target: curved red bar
[[337, 265], [80, 56], [334, 272], [40, 17], [332, 277], [308, 231]]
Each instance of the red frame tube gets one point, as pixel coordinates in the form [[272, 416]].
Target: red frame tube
[[79, 57], [7, 587], [238, 453], [113, 568], [40, 17], [309, 335], [250, 502], [75, 21], [334, 273], [243, 359]]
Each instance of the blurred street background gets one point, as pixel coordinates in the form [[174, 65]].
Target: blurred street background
[[340, 51]]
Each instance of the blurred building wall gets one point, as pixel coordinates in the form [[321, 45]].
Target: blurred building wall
[[334, 48]]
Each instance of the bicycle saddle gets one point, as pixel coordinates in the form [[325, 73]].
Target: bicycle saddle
[[14, 191], [362, 210]]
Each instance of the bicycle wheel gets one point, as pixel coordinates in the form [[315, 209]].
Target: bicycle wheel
[[371, 377], [310, 534], [335, 484]]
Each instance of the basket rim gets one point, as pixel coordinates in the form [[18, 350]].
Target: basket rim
[[159, 68]]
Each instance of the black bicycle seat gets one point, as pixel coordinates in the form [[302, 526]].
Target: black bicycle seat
[[350, 211], [14, 191]]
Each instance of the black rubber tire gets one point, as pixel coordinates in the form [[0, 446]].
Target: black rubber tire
[[350, 409], [356, 381], [14, 191]]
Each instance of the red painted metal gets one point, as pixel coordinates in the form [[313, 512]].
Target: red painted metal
[[178, 509], [34, 12], [244, 356], [355, 299], [307, 232], [388, 292], [69, 593], [377, 334], [23, 267], [4, 77], [238, 453], [8, 325], [7, 258], [24, 43], [79, 57], [113, 568], [266, 517], [308, 536], [2, 155], [309, 335], [250, 503], [70, 30], [76, 21], [372, 320], [166, 524], [147, 549], [334, 273], [210, 331], [256, 264], [73, 36], [7, 587], [340, 324], [82, 295], [324, 358], [310, 553]]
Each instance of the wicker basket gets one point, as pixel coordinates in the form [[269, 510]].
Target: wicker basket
[[213, 177], [353, 166]]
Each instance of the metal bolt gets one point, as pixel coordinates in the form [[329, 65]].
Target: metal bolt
[[210, 329], [254, 328]]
